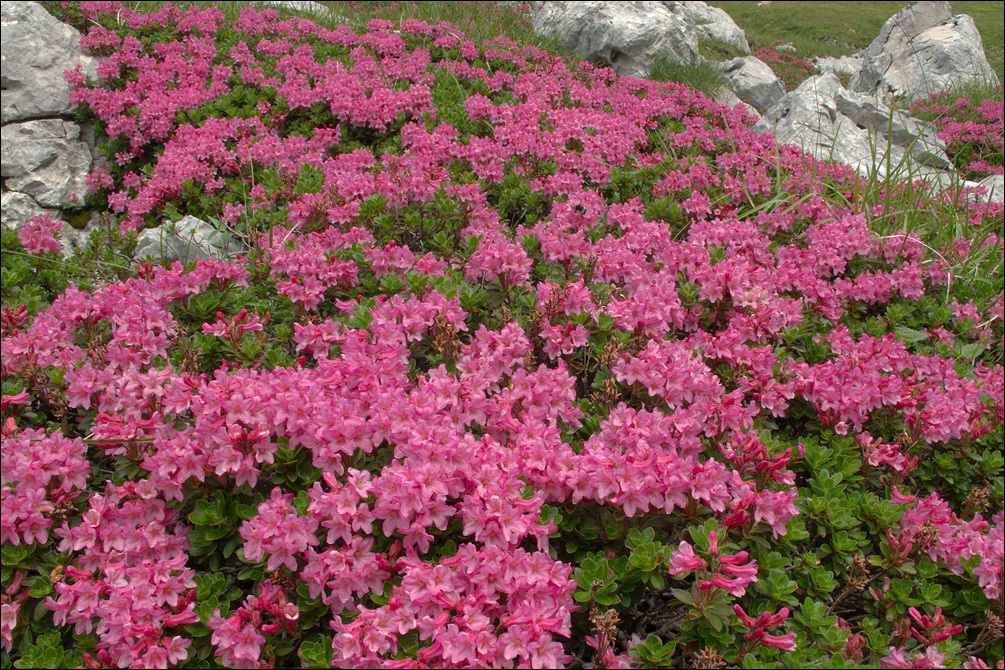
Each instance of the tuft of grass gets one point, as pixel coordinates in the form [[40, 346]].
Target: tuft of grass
[[704, 76]]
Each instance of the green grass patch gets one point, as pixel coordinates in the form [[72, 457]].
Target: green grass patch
[[702, 76]]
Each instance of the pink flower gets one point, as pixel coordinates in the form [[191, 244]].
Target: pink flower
[[684, 560], [37, 235], [8, 621]]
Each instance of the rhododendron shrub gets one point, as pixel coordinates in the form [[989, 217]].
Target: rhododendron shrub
[[788, 67], [525, 365], [974, 132]]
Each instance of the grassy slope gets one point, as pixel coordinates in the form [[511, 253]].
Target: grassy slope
[[819, 28], [842, 28]]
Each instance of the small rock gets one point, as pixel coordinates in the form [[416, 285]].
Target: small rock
[[725, 96], [315, 9], [846, 65], [716, 24], [754, 82], [995, 184], [188, 240]]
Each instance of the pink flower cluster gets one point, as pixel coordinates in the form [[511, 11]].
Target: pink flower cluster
[[129, 581], [279, 532], [41, 473], [973, 132], [37, 235], [482, 607], [731, 573], [767, 620], [947, 539], [691, 327], [239, 636]]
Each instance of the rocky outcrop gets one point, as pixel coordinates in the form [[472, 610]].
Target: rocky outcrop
[[45, 157], [921, 50], [16, 208], [188, 240], [716, 24], [628, 36], [831, 123], [37, 49], [754, 82], [46, 160], [845, 65]]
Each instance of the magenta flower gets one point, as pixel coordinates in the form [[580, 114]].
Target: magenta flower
[[684, 560], [37, 235]]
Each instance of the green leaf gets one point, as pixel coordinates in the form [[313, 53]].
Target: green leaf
[[200, 518], [217, 534], [16, 555], [47, 652], [315, 652], [684, 596], [910, 334], [644, 557], [41, 586], [973, 350], [247, 512]]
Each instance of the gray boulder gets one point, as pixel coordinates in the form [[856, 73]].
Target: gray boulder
[[843, 65], [306, 7], [716, 24], [47, 160], [831, 123], [188, 240], [995, 184], [628, 36], [725, 96], [921, 50], [754, 82], [16, 208], [37, 49]]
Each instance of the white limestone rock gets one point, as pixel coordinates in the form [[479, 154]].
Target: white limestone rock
[[187, 240], [47, 160], [922, 50], [831, 123], [754, 82], [716, 24], [628, 36], [36, 50]]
